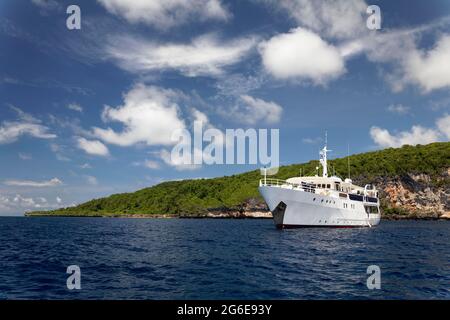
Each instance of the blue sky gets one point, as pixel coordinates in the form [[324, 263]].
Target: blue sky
[[86, 113]]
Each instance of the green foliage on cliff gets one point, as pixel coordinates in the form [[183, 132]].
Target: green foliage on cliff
[[195, 197]]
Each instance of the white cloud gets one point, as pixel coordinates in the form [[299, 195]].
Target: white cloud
[[59, 151], [177, 163], [252, 110], [206, 55], [399, 109], [417, 134], [337, 18], [312, 140], [18, 204], [11, 131], [149, 115], [75, 107], [25, 156], [36, 184], [93, 147], [91, 180], [86, 166], [302, 54], [46, 4], [164, 14], [430, 69], [150, 164], [443, 125]]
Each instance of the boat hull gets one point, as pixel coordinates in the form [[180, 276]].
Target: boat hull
[[299, 209]]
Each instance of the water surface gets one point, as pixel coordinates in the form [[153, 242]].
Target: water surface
[[220, 259]]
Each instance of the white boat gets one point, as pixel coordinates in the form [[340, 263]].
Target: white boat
[[320, 201]]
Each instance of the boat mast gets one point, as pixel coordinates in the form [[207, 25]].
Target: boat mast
[[323, 157]]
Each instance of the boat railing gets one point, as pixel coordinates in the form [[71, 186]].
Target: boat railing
[[270, 182], [304, 186]]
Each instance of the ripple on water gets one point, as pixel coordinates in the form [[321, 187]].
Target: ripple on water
[[220, 259]]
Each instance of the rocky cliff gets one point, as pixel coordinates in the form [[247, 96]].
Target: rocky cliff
[[416, 196]]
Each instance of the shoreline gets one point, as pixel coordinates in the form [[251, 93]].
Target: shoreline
[[242, 216]]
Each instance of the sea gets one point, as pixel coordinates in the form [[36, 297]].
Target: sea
[[121, 258]]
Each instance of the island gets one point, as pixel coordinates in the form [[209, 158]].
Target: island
[[414, 183]]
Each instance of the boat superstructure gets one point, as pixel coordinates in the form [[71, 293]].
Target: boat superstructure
[[320, 201]]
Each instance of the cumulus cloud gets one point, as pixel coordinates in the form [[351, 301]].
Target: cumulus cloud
[[430, 69], [250, 110], [176, 162], [94, 147], [165, 14], [205, 55], [149, 115], [332, 18], [302, 54], [18, 204], [36, 184], [417, 134], [443, 125]]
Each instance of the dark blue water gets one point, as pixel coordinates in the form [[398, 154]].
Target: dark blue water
[[220, 259]]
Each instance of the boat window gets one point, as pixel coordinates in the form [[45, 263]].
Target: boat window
[[372, 209], [328, 186]]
